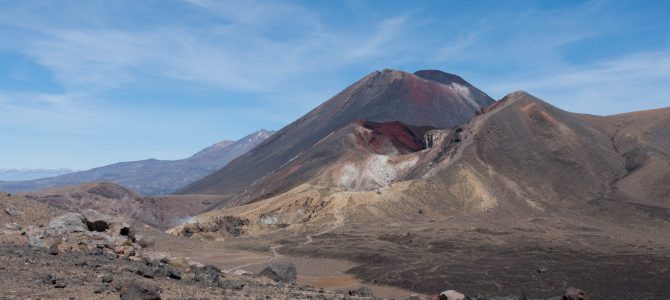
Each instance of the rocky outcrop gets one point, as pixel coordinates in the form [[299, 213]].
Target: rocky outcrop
[[66, 224], [280, 272], [228, 225], [97, 221], [91, 231], [207, 273]]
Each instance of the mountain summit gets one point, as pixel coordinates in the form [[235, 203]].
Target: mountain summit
[[427, 98]]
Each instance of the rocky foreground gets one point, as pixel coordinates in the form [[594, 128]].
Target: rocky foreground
[[48, 253]]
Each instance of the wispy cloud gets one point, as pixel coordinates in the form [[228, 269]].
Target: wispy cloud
[[387, 31], [66, 113], [242, 51], [627, 83]]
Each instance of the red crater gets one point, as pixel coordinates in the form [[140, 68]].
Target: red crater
[[404, 138]]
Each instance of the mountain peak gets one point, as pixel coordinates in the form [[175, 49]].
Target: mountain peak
[[441, 77], [384, 96], [262, 133], [521, 100]]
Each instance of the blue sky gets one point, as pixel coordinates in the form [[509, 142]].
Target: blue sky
[[87, 83]]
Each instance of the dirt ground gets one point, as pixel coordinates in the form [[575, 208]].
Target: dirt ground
[[254, 255]]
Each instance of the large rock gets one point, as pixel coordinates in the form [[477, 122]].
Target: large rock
[[207, 273], [97, 221], [451, 295], [231, 284], [137, 290], [66, 224], [98, 239], [240, 272], [146, 271], [170, 271], [13, 226], [143, 240], [13, 212], [280, 271], [47, 278], [37, 242], [155, 256]]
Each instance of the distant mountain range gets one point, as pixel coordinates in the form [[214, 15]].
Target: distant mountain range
[[151, 176], [30, 173]]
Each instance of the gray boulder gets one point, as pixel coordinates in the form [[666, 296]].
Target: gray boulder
[[66, 224], [281, 272], [13, 212], [137, 290], [60, 284], [13, 226], [143, 240], [35, 241], [170, 271], [106, 278], [47, 278], [207, 273], [231, 284], [97, 221], [146, 271], [451, 295]]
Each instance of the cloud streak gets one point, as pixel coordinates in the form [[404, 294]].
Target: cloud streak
[[628, 83], [239, 52]]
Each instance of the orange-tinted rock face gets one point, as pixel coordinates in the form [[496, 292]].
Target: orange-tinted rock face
[[404, 139], [422, 92]]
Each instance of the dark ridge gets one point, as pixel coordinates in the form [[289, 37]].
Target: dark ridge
[[441, 77]]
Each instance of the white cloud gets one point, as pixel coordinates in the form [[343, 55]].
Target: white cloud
[[627, 83], [456, 49], [261, 13], [256, 46], [376, 45], [44, 110]]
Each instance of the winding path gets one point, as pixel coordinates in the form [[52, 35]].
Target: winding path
[[339, 221], [275, 255]]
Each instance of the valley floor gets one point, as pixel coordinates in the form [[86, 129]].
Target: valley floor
[[486, 262]]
